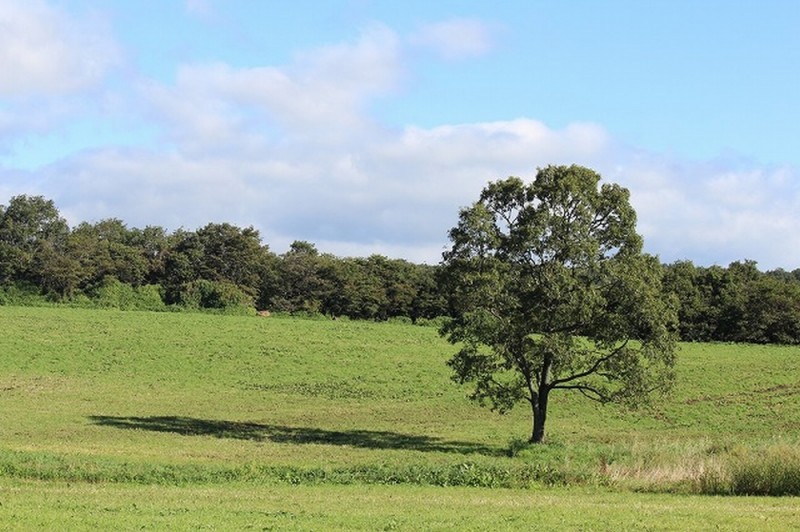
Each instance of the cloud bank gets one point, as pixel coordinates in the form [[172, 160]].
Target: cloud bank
[[296, 151], [50, 52]]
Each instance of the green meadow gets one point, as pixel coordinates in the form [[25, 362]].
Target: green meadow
[[128, 420]]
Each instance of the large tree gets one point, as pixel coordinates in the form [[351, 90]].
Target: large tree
[[217, 253], [29, 225], [551, 291]]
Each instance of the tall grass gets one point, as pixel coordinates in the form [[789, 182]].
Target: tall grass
[[771, 470]]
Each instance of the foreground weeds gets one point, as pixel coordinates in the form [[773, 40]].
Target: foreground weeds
[[707, 468], [52, 467], [697, 468]]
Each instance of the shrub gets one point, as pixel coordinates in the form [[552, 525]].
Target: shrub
[[22, 295], [220, 296], [437, 322], [115, 294]]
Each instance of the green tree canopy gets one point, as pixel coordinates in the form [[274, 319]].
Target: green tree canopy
[[550, 290], [218, 253], [28, 225], [304, 279], [105, 249]]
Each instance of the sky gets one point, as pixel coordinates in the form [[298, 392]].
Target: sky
[[363, 126]]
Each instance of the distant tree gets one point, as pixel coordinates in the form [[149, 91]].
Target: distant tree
[[28, 225], [399, 285], [232, 254], [57, 273], [771, 312], [219, 253], [380, 288], [713, 283], [373, 288], [782, 275], [269, 282], [355, 289], [304, 279], [551, 291], [152, 243], [106, 249], [733, 300], [430, 300], [697, 315], [217, 295], [182, 263]]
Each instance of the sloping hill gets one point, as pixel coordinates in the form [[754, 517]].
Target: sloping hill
[[178, 397]]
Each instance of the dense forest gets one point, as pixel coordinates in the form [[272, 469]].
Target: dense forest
[[228, 268]]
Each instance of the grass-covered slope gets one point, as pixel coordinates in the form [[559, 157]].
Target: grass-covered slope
[[160, 398]]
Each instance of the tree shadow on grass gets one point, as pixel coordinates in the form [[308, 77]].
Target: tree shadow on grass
[[369, 439]]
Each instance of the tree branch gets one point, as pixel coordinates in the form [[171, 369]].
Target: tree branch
[[586, 391], [594, 367], [599, 220]]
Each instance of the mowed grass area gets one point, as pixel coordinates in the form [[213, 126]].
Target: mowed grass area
[[125, 418], [61, 506]]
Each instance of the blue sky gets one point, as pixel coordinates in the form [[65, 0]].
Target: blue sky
[[364, 125]]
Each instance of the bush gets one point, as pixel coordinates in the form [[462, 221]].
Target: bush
[[437, 322], [115, 294], [220, 296], [22, 295]]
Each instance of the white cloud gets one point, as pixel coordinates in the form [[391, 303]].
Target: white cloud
[[455, 38], [319, 97], [714, 212], [399, 193], [45, 51], [54, 65], [294, 151]]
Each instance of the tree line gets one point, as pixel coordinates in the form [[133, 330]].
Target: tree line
[[735, 304], [228, 268], [219, 266]]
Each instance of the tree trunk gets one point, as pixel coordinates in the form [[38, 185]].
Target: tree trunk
[[539, 407], [539, 402]]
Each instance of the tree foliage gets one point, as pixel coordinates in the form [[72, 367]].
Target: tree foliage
[[735, 304], [29, 226], [217, 253], [551, 291]]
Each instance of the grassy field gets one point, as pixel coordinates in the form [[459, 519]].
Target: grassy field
[[128, 419], [62, 506]]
